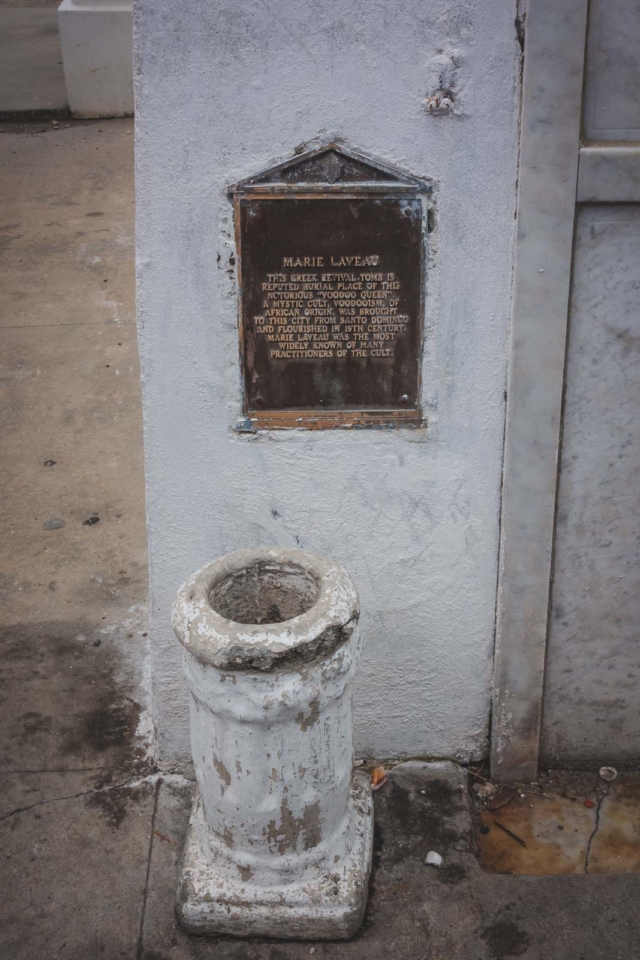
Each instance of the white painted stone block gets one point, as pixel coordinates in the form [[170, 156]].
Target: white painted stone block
[[280, 838], [97, 52]]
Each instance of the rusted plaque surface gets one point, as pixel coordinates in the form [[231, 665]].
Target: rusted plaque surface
[[331, 300]]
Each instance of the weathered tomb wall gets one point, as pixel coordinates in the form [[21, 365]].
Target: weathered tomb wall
[[223, 90]]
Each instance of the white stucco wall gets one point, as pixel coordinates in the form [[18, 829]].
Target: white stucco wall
[[224, 89]]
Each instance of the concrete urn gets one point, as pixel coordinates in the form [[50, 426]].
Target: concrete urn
[[280, 837]]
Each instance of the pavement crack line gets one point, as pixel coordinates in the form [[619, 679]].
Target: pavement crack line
[[143, 912], [601, 799], [129, 782]]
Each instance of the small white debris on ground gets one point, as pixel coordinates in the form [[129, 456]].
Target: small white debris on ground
[[433, 859], [608, 773]]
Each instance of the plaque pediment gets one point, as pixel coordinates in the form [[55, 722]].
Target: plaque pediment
[[330, 165]]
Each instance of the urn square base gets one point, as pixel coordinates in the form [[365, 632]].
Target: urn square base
[[325, 902]]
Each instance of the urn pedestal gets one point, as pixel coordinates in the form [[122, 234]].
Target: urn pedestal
[[280, 837]]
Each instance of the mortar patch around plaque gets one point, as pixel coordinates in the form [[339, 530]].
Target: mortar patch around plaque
[[331, 273]]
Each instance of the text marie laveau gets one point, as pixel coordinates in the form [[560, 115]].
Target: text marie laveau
[[357, 260]]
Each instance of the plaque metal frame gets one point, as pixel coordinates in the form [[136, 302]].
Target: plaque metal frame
[[369, 178]]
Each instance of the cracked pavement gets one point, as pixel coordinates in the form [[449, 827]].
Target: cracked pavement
[[569, 823], [592, 837]]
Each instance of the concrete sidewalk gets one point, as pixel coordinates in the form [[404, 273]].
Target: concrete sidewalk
[[91, 832], [73, 570]]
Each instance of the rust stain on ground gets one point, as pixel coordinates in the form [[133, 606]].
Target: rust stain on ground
[[556, 833], [563, 835], [615, 847]]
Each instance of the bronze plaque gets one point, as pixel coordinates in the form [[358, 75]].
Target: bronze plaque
[[331, 280]]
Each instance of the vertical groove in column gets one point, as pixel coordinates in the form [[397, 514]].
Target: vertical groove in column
[[552, 97]]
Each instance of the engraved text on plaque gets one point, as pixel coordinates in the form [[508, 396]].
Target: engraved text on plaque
[[331, 299]]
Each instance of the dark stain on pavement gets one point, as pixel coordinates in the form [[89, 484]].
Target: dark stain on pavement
[[114, 802], [419, 820], [504, 938], [67, 702], [452, 874], [412, 816], [110, 726]]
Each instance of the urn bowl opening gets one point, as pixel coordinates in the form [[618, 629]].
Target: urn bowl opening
[[266, 591]]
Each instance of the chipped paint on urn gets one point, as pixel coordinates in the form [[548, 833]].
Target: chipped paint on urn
[[280, 837]]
